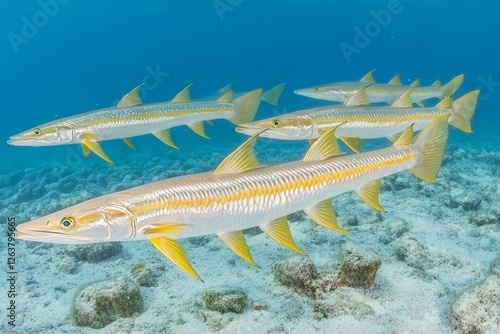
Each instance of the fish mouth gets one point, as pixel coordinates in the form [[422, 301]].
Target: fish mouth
[[30, 234], [18, 140], [249, 130]]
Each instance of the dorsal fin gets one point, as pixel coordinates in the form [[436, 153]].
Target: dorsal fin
[[226, 89], [404, 101], [325, 147], [437, 83], [415, 83], [131, 99], [272, 95], [241, 160], [183, 96], [368, 77], [444, 103], [226, 98], [406, 137], [360, 98], [396, 80]]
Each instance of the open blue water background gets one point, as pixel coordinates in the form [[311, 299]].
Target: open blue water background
[[87, 54]]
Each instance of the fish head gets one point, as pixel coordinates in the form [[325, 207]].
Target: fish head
[[54, 133], [291, 127], [88, 222], [337, 92]]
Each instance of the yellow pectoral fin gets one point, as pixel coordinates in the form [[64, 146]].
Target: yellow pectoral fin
[[279, 231], [369, 194], [129, 143], [241, 160], [324, 215], [96, 148], [86, 151], [175, 253], [199, 129], [164, 230], [235, 240], [353, 143], [165, 138]]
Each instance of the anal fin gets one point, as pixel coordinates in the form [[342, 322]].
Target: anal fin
[[129, 143], [235, 240], [175, 253], [199, 129], [96, 148], [279, 231], [86, 151], [354, 143], [164, 136], [324, 215], [369, 194]]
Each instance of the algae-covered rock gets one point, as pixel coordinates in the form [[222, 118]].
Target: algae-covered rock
[[225, 300], [67, 265], [358, 267], [343, 301], [467, 200], [94, 252], [478, 310], [495, 267], [484, 219], [142, 275], [101, 303], [296, 273], [411, 251]]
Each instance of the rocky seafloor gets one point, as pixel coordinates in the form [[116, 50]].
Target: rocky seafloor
[[430, 264]]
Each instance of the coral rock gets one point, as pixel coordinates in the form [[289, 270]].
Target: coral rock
[[296, 273], [142, 275], [411, 251], [343, 301], [358, 267], [101, 303], [94, 252], [225, 300]]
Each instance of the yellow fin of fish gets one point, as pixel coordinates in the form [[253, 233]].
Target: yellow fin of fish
[[163, 230], [226, 89], [279, 231], [359, 98], [354, 143], [235, 240], [421, 104], [324, 215], [86, 151], [183, 96], [368, 77], [226, 98], [394, 138], [246, 107], [131, 99], [369, 194], [451, 87], [164, 136], [241, 160], [415, 83], [396, 80], [96, 148], [199, 129], [175, 253], [325, 147], [431, 142], [404, 101], [436, 83], [444, 103], [406, 137], [462, 111], [311, 141], [273, 95], [129, 143]]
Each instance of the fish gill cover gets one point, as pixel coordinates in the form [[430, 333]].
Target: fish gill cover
[[424, 264]]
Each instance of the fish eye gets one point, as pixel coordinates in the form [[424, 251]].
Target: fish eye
[[276, 122], [67, 222], [37, 132]]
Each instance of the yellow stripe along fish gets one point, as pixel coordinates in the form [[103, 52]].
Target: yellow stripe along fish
[[363, 121], [240, 194], [132, 118]]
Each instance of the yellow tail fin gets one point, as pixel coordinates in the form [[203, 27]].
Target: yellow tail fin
[[462, 111], [451, 87], [273, 95], [431, 143], [246, 107]]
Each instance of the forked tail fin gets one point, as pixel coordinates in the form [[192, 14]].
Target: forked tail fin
[[246, 107], [273, 95], [451, 87], [431, 143], [462, 111]]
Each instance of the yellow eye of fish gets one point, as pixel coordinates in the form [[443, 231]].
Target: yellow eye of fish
[[37, 132], [276, 122], [67, 223]]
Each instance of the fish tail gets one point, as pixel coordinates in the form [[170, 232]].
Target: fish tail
[[462, 111], [431, 143], [246, 107], [273, 95], [451, 87]]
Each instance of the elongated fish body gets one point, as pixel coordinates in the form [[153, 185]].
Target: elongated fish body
[[363, 122], [380, 92], [239, 195]]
